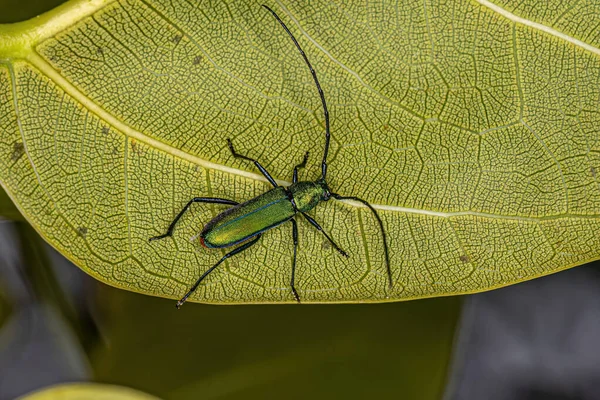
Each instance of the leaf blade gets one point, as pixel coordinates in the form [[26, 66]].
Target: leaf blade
[[474, 192]]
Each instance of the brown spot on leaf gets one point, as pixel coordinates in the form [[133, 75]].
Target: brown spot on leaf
[[105, 130], [465, 258], [176, 39], [593, 171], [18, 151], [136, 148], [82, 231], [197, 60], [386, 127], [100, 51], [325, 245]]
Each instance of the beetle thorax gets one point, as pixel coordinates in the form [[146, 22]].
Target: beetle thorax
[[307, 195]]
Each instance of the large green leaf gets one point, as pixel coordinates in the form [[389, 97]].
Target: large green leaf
[[473, 130]]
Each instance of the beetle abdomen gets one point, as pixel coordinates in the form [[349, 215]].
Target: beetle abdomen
[[248, 219]]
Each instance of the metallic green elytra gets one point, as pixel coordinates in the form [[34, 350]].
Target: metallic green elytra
[[244, 223], [262, 213], [248, 219]]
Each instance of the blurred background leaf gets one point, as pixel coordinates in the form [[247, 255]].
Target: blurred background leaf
[[5, 307], [8, 210], [87, 391], [21, 10], [296, 352]]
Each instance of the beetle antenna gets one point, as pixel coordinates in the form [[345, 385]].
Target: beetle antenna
[[385, 246], [314, 74]]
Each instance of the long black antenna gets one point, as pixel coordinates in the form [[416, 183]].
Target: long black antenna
[[314, 74]]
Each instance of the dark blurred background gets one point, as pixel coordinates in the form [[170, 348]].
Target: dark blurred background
[[535, 340]]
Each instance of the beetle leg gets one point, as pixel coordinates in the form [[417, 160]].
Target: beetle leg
[[385, 246], [214, 200], [295, 237], [225, 257], [301, 165], [316, 225], [260, 167]]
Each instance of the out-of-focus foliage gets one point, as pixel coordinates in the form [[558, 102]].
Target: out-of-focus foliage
[[5, 307], [7, 208], [88, 391], [21, 10], [267, 352]]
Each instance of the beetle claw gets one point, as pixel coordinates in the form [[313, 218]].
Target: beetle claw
[[153, 238], [296, 294]]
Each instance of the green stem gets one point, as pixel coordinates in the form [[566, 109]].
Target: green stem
[[18, 40]]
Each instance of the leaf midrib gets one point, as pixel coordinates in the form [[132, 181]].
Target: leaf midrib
[[541, 27]]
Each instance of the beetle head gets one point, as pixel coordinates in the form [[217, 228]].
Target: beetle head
[[326, 192]]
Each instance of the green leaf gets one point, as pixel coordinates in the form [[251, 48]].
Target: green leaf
[[87, 391], [474, 131]]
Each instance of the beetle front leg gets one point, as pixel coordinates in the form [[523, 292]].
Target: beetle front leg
[[258, 165], [297, 167]]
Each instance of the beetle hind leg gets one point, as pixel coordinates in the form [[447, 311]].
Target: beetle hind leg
[[204, 275], [295, 237]]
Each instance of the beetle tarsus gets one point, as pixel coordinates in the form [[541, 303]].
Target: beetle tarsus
[[296, 294], [153, 238]]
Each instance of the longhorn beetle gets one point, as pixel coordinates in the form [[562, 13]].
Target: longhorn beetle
[[245, 222]]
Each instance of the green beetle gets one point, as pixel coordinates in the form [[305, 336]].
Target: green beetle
[[245, 222]]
